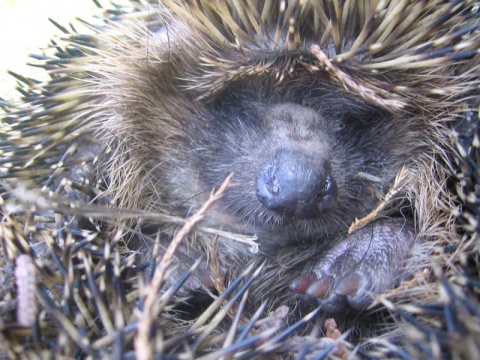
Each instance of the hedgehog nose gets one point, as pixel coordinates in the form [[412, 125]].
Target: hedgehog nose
[[296, 184]]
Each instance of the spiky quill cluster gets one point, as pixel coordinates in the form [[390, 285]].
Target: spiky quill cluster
[[417, 58]]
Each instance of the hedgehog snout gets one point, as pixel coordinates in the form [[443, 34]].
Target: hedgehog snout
[[296, 184]]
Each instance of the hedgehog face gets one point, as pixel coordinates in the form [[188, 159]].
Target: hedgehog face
[[284, 171], [295, 166]]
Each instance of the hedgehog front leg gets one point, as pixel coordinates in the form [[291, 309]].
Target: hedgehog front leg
[[370, 260]]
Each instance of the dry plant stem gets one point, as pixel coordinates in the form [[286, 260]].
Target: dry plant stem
[[143, 347], [25, 279], [400, 180], [350, 84]]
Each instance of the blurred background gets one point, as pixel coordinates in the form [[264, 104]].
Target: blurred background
[[24, 28]]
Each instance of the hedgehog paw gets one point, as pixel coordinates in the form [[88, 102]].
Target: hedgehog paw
[[371, 260]]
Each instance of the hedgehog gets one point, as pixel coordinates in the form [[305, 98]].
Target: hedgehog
[[198, 165]]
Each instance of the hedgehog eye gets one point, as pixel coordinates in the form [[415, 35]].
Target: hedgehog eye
[[338, 125]]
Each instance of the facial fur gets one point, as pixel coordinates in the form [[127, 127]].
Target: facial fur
[[241, 130]]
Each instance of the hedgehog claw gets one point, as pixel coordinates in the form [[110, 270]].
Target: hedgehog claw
[[365, 262], [301, 284], [321, 288], [349, 285]]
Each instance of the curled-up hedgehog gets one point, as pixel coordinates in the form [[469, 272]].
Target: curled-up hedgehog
[[347, 131]]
